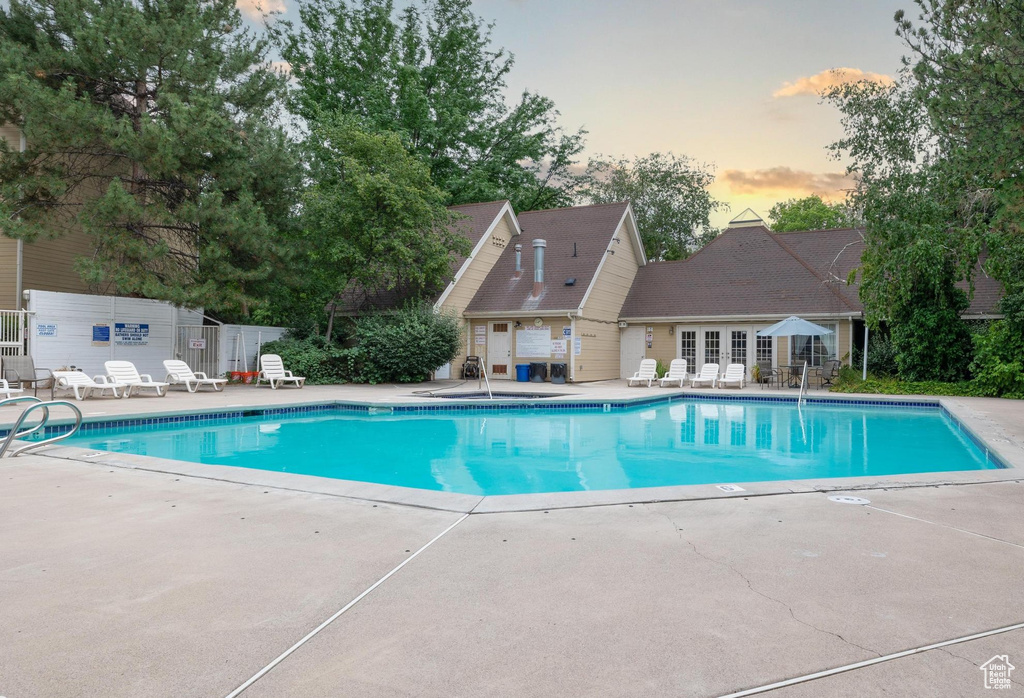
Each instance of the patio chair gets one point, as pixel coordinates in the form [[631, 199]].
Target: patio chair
[[708, 374], [82, 385], [766, 375], [178, 372], [648, 371], [734, 373], [6, 390], [829, 372], [272, 370], [126, 376], [676, 373], [22, 371]]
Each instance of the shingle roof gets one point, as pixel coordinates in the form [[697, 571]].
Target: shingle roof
[[585, 230], [752, 271], [744, 271]]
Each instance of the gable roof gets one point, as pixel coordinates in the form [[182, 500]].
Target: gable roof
[[742, 272], [577, 240], [753, 271]]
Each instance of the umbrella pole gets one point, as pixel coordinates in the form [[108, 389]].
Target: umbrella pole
[[864, 372]]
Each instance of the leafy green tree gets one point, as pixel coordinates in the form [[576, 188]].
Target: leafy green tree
[[670, 199], [917, 248], [967, 60], [432, 76], [372, 217], [810, 213], [149, 126]]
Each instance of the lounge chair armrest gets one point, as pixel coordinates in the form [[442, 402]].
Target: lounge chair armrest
[[103, 380], [172, 378], [146, 377], [289, 374], [201, 375]]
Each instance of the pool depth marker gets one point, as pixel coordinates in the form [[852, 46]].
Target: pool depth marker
[[284, 655]]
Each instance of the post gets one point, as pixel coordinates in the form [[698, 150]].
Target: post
[[864, 372]]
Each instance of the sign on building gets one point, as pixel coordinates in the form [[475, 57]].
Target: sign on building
[[133, 334], [48, 329]]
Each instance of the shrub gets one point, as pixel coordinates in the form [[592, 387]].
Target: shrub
[[881, 356], [404, 346], [321, 363], [850, 382], [998, 365]]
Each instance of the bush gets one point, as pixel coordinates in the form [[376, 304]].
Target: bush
[[321, 363], [404, 346], [998, 365], [881, 356], [932, 343], [850, 382]]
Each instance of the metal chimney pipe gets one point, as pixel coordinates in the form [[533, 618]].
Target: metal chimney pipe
[[519, 261], [538, 266]]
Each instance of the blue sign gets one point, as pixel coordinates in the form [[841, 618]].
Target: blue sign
[[101, 334], [131, 333]]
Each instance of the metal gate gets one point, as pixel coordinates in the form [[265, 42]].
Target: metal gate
[[199, 347], [12, 332]]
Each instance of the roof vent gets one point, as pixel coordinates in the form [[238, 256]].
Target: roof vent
[[538, 266], [571, 281]]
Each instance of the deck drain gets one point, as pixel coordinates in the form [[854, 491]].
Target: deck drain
[[846, 499]]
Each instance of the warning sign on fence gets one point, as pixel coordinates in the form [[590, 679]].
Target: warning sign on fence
[[131, 333]]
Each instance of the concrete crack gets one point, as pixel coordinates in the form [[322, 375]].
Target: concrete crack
[[760, 593], [973, 663]]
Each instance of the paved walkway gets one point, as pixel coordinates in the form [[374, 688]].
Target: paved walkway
[[118, 582]]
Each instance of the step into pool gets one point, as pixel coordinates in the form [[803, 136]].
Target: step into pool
[[494, 451]]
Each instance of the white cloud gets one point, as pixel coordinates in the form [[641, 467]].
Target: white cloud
[[785, 181], [815, 84], [255, 9]]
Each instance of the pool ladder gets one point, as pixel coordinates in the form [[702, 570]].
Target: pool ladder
[[17, 433]]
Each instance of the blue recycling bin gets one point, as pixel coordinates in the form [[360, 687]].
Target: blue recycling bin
[[522, 373]]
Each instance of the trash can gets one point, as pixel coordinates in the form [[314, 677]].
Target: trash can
[[558, 372], [538, 372], [522, 373]]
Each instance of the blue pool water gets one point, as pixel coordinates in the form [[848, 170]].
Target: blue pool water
[[490, 452]]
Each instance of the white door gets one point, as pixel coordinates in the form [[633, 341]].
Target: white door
[[739, 347], [499, 350], [712, 345], [632, 350]]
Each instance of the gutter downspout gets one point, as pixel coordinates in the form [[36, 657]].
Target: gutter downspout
[[20, 254]]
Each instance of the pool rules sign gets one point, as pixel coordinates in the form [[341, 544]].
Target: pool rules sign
[[131, 334]]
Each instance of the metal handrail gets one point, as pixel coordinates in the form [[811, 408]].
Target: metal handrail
[[25, 398], [483, 373], [803, 385], [45, 406]]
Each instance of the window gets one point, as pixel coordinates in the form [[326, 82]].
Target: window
[[814, 350], [688, 348], [765, 349], [738, 353]]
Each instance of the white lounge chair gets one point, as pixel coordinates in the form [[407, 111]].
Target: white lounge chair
[[178, 372], [734, 373], [82, 385], [708, 374], [648, 371], [272, 371], [6, 390], [676, 373], [125, 375]]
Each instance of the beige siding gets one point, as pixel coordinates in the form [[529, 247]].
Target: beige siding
[[8, 274], [50, 264], [469, 283], [598, 328], [11, 134], [555, 325]]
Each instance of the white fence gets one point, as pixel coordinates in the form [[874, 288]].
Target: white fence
[[240, 344], [84, 331], [12, 332]]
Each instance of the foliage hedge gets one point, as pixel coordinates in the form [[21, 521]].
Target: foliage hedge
[[403, 346]]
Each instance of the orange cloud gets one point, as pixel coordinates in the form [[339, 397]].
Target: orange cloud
[[785, 181], [814, 85], [255, 9]]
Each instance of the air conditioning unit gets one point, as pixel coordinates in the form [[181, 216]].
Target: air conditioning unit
[[623, 325]]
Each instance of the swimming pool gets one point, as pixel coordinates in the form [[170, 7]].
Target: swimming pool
[[533, 449]]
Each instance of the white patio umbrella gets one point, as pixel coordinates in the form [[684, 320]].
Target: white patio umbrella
[[792, 326]]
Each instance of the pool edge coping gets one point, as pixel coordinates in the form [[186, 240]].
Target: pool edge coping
[[1010, 470]]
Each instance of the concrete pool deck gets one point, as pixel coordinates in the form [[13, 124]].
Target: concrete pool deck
[[131, 582]]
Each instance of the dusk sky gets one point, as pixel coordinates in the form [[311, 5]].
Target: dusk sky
[[728, 83]]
